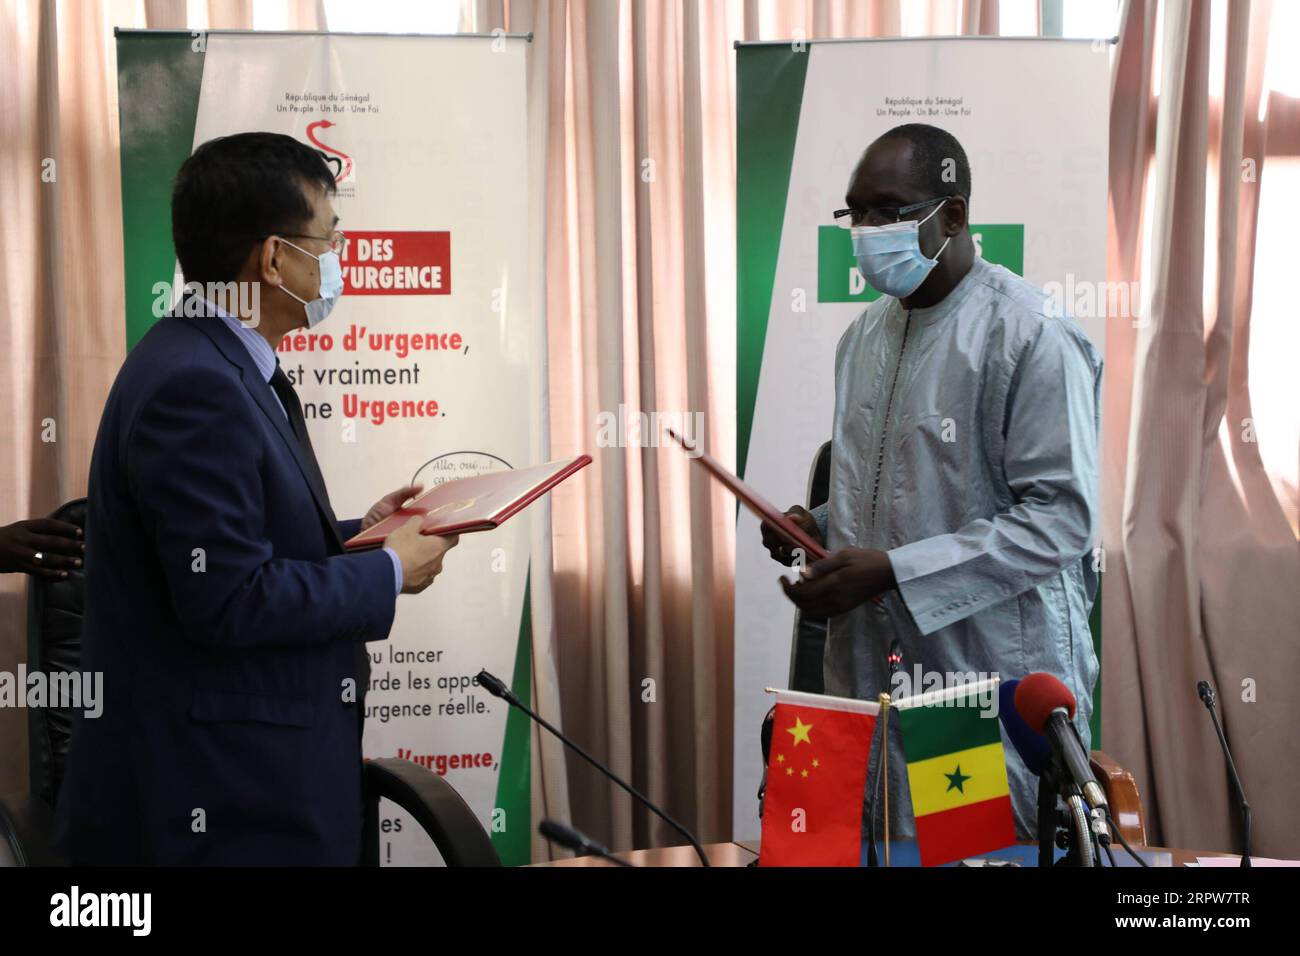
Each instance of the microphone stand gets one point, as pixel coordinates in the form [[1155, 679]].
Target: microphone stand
[[497, 688], [1055, 782], [1082, 848], [1047, 790], [1208, 698], [576, 840]]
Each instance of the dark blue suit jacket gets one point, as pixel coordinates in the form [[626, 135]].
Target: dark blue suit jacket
[[225, 620]]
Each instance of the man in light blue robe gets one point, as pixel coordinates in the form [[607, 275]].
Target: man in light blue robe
[[963, 486]]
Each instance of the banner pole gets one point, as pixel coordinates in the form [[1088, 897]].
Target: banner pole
[[884, 766]]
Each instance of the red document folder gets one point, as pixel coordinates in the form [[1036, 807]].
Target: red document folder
[[480, 503], [756, 503]]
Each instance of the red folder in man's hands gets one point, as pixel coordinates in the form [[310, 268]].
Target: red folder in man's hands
[[480, 503], [766, 511]]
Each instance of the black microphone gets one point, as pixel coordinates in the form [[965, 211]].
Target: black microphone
[[497, 688], [1047, 706], [576, 840], [1036, 754], [1207, 695]]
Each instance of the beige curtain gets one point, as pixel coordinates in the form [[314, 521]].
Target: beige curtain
[[62, 336], [1202, 563], [633, 204], [231, 14]]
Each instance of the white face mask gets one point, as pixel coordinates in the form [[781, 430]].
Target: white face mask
[[890, 257], [331, 285]]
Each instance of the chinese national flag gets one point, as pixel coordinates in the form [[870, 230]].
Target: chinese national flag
[[816, 779]]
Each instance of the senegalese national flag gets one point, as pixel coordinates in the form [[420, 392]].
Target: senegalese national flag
[[816, 780], [957, 773]]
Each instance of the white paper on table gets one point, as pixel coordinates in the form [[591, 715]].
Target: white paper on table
[[1236, 861]]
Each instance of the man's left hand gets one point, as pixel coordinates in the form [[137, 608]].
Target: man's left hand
[[841, 582], [386, 505]]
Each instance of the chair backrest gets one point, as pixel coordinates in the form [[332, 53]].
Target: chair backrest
[[436, 807], [809, 641], [54, 615]]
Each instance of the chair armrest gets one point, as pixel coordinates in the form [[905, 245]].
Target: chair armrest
[[436, 807], [1122, 793], [25, 824]]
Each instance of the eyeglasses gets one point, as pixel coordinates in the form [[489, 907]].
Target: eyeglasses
[[847, 218], [338, 239]]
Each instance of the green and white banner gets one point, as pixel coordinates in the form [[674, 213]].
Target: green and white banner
[[1032, 116], [432, 367]]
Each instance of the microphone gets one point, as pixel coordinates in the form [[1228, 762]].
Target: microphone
[[1036, 754], [1208, 698], [1047, 706], [497, 688], [1032, 746], [576, 840]]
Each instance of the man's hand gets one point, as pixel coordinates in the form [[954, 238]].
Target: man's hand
[[841, 582], [386, 505], [420, 554], [780, 549], [57, 543]]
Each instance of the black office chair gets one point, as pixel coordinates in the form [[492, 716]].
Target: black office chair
[[53, 647], [54, 615], [436, 806], [810, 632]]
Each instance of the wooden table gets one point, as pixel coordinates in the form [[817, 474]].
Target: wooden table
[[719, 854], [745, 852]]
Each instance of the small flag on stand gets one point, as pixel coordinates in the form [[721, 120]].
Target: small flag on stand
[[957, 772], [816, 780]]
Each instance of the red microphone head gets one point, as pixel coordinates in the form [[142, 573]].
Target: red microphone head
[[1038, 695]]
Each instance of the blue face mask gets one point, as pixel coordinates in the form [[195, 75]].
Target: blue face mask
[[331, 285], [890, 257]]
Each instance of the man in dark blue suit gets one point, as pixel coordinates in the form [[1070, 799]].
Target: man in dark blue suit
[[226, 619]]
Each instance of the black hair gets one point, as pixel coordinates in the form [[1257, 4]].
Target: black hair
[[932, 148], [233, 192]]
